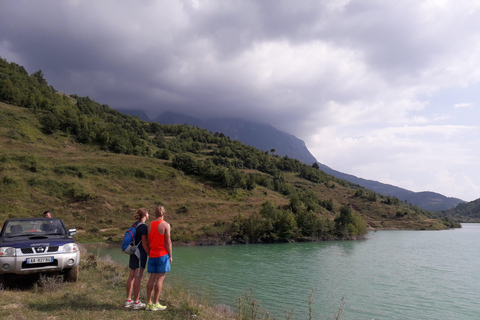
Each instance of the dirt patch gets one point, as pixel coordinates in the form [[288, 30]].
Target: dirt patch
[[12, 306]]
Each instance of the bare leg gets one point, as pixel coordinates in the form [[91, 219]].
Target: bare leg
[[137, 283], [158, 286], [130, 279], [150, 285]]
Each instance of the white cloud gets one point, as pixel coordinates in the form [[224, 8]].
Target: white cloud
[[463, 105]]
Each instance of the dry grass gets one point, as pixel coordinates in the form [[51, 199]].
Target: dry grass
[[99, 294]]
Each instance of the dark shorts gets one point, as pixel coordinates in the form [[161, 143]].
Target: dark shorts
[[159, 265], [135, 263]]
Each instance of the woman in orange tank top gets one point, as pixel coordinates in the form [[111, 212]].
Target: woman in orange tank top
[[157, 240], [160, 258]]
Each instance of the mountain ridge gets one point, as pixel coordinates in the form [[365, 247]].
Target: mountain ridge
[[268, 138], [248, 132], [427, 200]]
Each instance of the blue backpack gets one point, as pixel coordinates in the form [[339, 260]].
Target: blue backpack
[[129, 239]]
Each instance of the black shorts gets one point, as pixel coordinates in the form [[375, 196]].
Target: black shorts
[[135, 263]]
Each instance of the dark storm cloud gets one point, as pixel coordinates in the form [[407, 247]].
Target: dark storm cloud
[[136, 56], [188, 55], [98, 49], [212, 58]]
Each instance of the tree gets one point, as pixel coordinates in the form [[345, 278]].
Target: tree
[[186, 163], [162, 154], [296, 205], [348, 224], [343, 220], [345, 217], [280, 224], [372, 196], [308, 223], [359, 193], [39, 76]]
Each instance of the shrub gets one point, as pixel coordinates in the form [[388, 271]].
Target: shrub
[[48, 283], [185, 163]]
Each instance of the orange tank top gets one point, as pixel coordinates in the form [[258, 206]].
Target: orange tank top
[[157, 241]]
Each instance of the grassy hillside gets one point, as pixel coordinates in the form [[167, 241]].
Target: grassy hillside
[[465, 212], [97, 191], [93, 167]]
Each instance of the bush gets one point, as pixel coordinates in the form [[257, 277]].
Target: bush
[[349, 225], [48, 283], [77, 194], [163, 154], [8, 181], [185, 163]]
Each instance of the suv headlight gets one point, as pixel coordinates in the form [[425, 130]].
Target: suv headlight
[[7, 252], [70, 247]]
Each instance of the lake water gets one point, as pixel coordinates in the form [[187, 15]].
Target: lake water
[[391, 275]]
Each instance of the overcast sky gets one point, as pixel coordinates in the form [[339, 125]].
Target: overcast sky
[[384, 90]]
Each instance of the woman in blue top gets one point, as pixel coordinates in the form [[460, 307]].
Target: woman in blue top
[[136, 265]]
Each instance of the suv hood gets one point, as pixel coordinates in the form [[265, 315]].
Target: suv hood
[[35, 241]]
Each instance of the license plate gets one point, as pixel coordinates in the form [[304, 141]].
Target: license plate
[[39, 260]]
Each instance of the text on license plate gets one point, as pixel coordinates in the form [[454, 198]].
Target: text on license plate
[[39, 260]]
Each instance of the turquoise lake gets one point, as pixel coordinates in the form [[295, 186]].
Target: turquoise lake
[[390, 275]]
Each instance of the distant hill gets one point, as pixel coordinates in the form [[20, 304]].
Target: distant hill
[[466, 212], [266, 137], [425, 199], [433, 201]]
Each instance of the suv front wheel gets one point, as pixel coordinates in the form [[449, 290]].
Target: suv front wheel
[[70, 275]]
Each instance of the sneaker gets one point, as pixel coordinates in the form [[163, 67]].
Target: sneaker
[[128, 303], [157, 307], [148, 306], [139, 305]]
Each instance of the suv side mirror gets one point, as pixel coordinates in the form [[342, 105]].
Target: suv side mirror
[[71, 232]]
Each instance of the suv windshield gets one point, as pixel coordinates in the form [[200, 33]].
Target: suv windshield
[[33, 227]]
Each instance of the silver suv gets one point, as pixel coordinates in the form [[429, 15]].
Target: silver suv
[[38, 245]]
